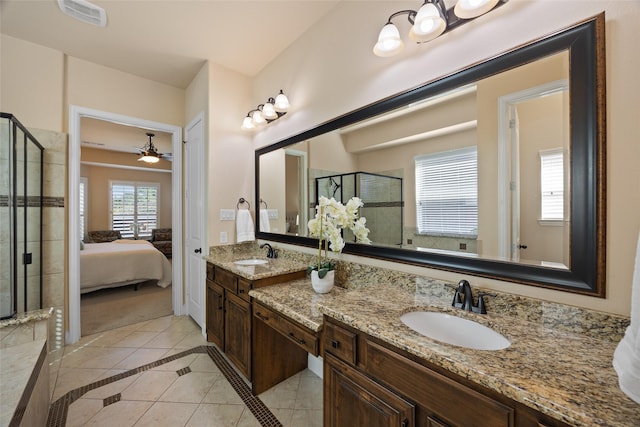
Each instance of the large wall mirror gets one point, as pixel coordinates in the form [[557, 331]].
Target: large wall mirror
[[497, 170]]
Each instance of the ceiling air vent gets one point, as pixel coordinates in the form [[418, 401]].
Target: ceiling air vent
[[84, 11]]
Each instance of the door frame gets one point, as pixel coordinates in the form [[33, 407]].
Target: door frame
[[505, 105], [76, 113]]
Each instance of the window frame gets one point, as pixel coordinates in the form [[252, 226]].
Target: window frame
[[549, 154], [458, 155], [146, 235]]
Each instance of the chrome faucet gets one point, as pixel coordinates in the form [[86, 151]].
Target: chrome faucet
[[271, 253], [463, 298]]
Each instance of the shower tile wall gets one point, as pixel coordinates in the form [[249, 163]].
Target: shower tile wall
[[53, 229]]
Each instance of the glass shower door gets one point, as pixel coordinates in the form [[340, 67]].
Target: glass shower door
[[21, 158], [7, 295]]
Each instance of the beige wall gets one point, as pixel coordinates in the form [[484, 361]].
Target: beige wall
[[319, 92], [31, 83], [231, 172], [101, 88]]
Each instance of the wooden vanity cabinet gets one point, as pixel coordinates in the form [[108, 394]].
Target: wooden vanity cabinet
[[280, 347], [366, 379], [229, 312]]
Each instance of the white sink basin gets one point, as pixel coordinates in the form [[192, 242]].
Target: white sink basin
[[454, 330], [251, 262]]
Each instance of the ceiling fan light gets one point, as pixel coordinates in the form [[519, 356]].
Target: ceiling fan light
[[468, 9], [389, 41], [281, 103], [268, 110], [429, 23], [149, 158]]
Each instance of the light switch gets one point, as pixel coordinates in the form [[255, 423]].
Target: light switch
[[227, 215], [273, 213], [223, 237]]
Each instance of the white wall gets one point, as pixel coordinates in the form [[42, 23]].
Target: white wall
[[331, 70]]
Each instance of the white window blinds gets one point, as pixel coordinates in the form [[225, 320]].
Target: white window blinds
[[552, 185], [447, 192], [134, 208]]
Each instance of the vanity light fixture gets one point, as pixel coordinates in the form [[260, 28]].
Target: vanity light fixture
[[430, 21], [265, 113]]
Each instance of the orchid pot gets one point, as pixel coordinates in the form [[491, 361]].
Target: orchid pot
[[331, 218]]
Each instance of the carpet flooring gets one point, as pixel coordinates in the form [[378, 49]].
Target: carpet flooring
[[108, 309]]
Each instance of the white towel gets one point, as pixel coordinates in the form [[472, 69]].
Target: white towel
[[244, 226], [264, 221], [626, 359]]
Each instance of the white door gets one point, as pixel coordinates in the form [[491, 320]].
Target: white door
[[194, 213]]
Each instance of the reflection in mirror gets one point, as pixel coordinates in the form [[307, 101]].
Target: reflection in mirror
[[446, 156], [477, 171]]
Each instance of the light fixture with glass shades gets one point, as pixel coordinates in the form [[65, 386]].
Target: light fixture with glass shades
[[265, 113], [430, 21], [149, 152]]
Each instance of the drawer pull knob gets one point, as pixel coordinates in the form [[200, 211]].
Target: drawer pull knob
[[405, 423], [335, 344], [261, 316], [241, 291], [296, 339]]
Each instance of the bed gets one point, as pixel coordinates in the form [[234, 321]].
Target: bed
[[120, 263]]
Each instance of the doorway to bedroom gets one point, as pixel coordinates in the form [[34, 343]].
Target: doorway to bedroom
[[127, 266]]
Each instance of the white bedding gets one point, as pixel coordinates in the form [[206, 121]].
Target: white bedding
[[122, 262]]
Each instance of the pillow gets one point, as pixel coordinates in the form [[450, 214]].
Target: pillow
[[104, 236], [161, 236]]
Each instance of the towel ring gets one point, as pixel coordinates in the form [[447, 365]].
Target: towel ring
[[262, 202], [241, 202]]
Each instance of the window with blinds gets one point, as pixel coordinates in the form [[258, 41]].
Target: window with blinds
[[134, 208], [552, 185], [83, 206], [447, 192]]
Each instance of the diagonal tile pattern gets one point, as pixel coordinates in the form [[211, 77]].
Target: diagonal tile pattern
[[163, 373]]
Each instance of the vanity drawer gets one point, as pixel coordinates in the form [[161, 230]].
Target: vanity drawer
[[226, 279], [302, 336], [244, 286], [439, 394], [340, 342]]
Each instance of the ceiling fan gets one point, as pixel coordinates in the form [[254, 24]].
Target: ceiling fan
[[150, 153]]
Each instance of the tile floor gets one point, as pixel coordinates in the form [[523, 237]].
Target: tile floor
[[161, 396]]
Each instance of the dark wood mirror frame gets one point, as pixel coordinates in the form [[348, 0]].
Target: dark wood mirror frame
[[586, 273]]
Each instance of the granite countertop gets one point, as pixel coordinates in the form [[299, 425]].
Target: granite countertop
[[29, 316], [565, 374], [273, 267]]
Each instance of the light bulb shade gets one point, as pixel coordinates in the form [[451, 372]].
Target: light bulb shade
[[247, 123], [468, 9], [269, 112], [257, 118], [429, 23], [282, 103], [389, 41], [147, 158]]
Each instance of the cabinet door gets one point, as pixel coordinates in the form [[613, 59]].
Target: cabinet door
[[352, 399], [215, 314], [237, 344]]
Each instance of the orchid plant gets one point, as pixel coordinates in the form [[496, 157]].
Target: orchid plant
[[331, 218]]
